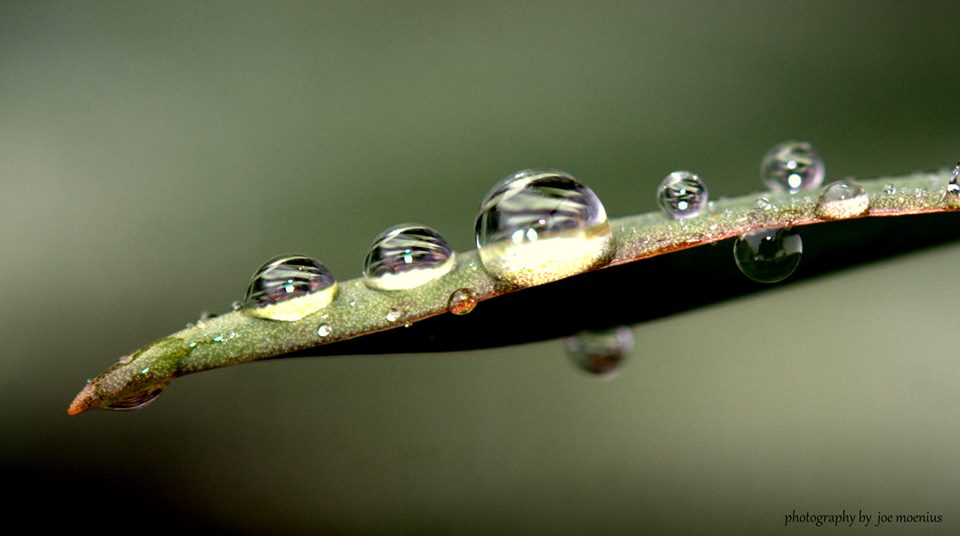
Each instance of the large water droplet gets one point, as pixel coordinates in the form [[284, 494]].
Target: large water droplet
[[138, 401], [289, 288], [792, 166], [539, 225], [600, 352], [463, 301], [406, 256], [682, 195], [842, 199], [768, 255]]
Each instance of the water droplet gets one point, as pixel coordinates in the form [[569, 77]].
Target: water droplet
[[682, 195], [463, 301], [393, 315], [953, 188], [406, 256], [137, 401], [189, 325], [768, 255], [889, 189], [537, 226], [218, 338], [844, 198], [125, 359], [289, 288], [206, 315], [600, 352], [324, 330], [236, 306], [792, 166], [763, 203]]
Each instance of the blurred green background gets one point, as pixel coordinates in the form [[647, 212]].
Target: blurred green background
[[152, 155]]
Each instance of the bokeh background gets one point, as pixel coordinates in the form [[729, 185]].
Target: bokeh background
[[152, 155]]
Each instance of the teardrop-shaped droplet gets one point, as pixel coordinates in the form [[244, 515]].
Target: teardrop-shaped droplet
[[792, 166], [540, 225], [463, 301], [768, 255], [682, 195], [844, 198], [600, 352], [407, 256], [138, 401], [289, 288]]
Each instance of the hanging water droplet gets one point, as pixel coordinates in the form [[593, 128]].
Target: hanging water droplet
[[682, 195], [393, 315], [844, 198], [324, 330], [289, 288], [462, 301], [768, 255], [137, 401], [792, 166], [537, 226], [406, 256], [600, 352]]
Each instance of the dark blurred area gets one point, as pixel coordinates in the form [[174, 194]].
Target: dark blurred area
[[152, 155]]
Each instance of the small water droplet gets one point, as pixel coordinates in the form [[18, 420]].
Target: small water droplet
[[407, 256], [206, 315], [768, 255], [144, 370], [125, 359], [711, 206], [324, 330], [463, 301], [537, 226], [189, 325], [889, 189], [763, 203], [393, 315], [137, 401], [218, 338], [682, 195], [792, 166], [289, 288], [353, 302], [192, 344], [600, 352], [953, 187], [236, 306], [844, 198]]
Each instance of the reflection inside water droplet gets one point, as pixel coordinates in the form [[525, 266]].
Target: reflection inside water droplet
[[768, 255], [540, 225], [407, 256], [600, 352], [792, 166], [844, 198], [953, 187], [324, 330], [462, 301], [682, 195], [289, 288]]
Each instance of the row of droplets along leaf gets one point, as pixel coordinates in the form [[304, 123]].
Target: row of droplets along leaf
[[541, 225], [518, 216]]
